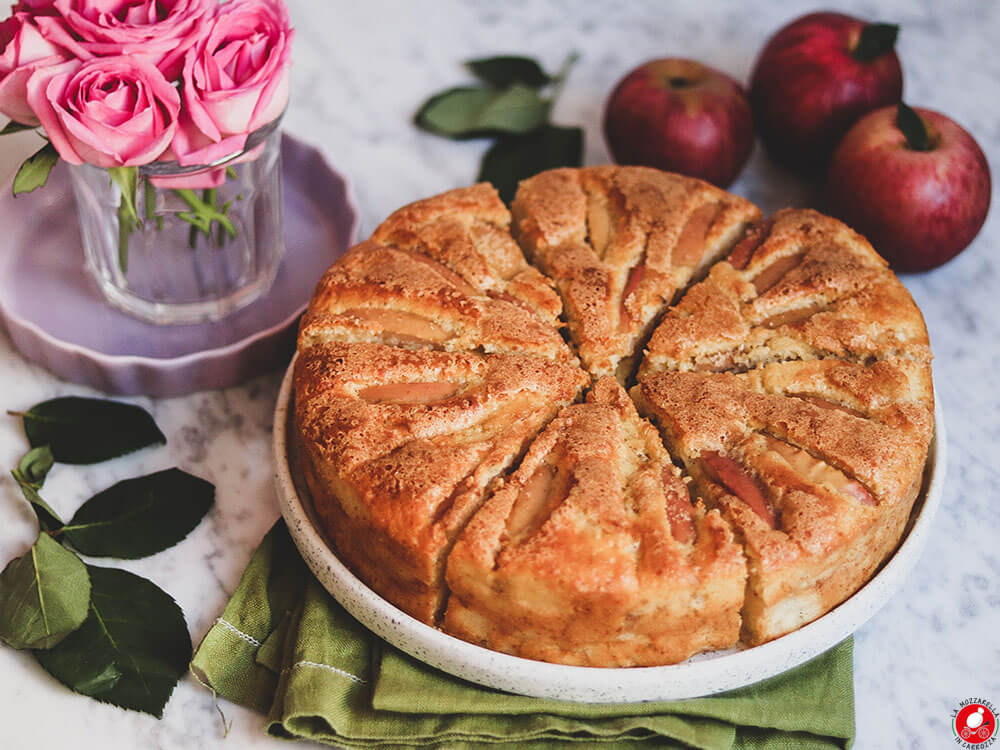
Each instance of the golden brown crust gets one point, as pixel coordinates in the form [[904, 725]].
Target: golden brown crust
[[793, 383], [592, 553], [422, 306], [468, 231], [812, 288], [396, 478], [836, 450], [620, 242]]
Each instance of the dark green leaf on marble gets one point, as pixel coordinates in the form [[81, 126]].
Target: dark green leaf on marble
[[504, 70], [515, 158], [89, 430], [132, 648], [139, 517], [470, 111]]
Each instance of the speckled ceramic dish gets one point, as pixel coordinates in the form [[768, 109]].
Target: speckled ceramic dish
[[85, 340], [701, 675]]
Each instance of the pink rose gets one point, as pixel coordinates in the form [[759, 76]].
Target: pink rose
[[23, 49], [110, 112], [159, 31], [235, 80]]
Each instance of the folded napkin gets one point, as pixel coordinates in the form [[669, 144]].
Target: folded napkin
[[284, 647]]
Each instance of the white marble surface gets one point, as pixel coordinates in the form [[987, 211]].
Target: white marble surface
[[361, 70]]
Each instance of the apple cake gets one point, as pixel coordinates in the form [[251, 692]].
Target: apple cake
[[627, 421], [619, 245], [592, 552]]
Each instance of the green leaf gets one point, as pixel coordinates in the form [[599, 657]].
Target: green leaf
[[35, 171], [504, 70], [89, 430], [515, 158], [141, 516], [913, 128], [876, 39], [48, 519], [43, 596], [30, 475], [132, 648], [466, 112], [35, 465], [15, 127]]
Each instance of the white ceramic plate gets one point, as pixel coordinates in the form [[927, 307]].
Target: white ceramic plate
[[701, 675]]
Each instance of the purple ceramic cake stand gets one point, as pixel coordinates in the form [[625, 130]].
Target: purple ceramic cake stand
[[56, 316]]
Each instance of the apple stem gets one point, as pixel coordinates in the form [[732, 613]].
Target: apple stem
[[876, 39], [914, 128]]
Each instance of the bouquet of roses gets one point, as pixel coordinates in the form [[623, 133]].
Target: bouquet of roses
[[120, 84]]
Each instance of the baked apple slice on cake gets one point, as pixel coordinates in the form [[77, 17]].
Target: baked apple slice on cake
[[468, 232], [815, 464], [799, 286], [619, 242], [397, 447], [380, 294], [593, 553]]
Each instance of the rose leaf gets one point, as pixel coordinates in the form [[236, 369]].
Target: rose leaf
[[15, 127], [44, 596], [471, 111], [34, 172], [139, 517], [515, 158], [89, 430], [504, 70], [132, 648]]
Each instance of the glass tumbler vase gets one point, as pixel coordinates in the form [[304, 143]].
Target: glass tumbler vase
[[180, 245]]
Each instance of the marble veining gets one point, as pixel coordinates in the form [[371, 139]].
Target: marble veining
[[361, 70]]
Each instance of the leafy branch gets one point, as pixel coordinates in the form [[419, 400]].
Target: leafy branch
[[102, 632], [513, 103]]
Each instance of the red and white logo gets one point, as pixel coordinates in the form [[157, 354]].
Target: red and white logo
[[974, 723]]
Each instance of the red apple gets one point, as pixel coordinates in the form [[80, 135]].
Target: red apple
[[815, 78], [681, 116], [914, 182]]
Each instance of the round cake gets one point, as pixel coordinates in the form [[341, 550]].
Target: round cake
[[627, 421]]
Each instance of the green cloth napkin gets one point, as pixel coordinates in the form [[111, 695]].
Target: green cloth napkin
[[284, 647]]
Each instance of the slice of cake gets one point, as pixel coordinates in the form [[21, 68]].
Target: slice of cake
[[468, 231], [593, 553], [380, 294], [620, 242], [397, 447], [800, 286], [815, 464]]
